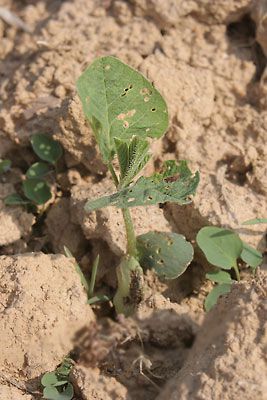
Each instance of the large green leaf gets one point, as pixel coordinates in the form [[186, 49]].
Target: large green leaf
[[51, 393], [215, 293], [132, 158], [221, 247], [155, 189], [120, 102], [38, 170], [169, 254]]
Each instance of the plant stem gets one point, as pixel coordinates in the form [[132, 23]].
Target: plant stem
[[237, 272], [130, 234], [93, 277]]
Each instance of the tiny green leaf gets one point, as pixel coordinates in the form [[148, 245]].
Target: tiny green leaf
[[36, 190], [46, 148], [251, 256], [130, 286], [5, 166], [78, 269], [120, 102], [98, 299], [219, 276], [48, 379], [132, 158], [155, 189], [255, 221], [15, 199], [215, 293], [51, 393], [169, 254], [221, 247], [38, 170]]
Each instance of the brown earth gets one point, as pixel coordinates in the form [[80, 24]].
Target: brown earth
[[208, 60]]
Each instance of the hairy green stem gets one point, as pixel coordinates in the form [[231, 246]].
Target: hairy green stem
[[130, 234], [237, 272]]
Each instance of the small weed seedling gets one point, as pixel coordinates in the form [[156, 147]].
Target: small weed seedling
[[223, 248], [88, 286], [35, 189], [124, 111], [56, 384]]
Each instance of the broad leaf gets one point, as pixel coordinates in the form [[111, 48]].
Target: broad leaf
[[255, 221], [50, 378], [120, 102], [15, 199], [219, 276], [38, 170], [132, 158], [130, 286], [37, 191], [169, 254], [251, 256], [46, 148], [215, 293], [152, 190], [5, 166], [221, 247], [51, 393]]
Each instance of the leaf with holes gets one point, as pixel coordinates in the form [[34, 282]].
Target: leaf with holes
[[37, 191], [152, 190], [46, 148], [215, 293], [132, 158], [120, 102], [251, 256], [221, 247], [38, 170], [169, 254]]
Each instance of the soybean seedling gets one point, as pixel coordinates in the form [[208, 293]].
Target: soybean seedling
[[125, 111], [35, 189], [56, 384], [223, 248]]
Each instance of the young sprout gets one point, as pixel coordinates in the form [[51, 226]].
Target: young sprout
[[124, 110]]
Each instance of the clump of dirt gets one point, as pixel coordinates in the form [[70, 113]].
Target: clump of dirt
[[228, 360], [43, 305], [11, 393]]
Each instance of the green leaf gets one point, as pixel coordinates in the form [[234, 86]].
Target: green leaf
[[48, 379], [5, 166], [64, 369], [152, 190], [215, 293], [78, 269], [46, 148], [219, 276], [50, 392], [132, 158], [251, 256], [221, 247], [98, 299], [130, 286], [38, 170], [15, 199], [36, 190], [169, 254], [120, 102], [255, 221]]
